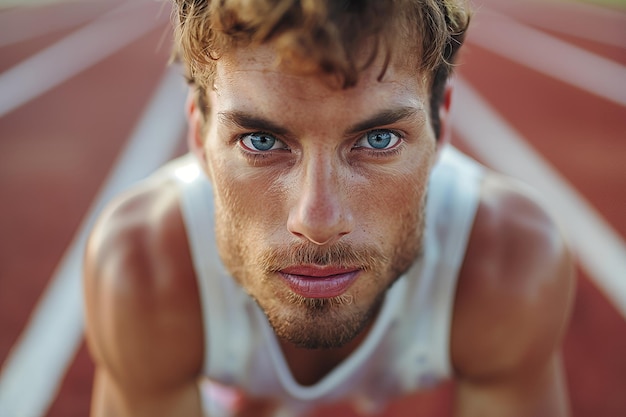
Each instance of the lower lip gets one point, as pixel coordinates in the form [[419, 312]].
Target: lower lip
[[320, 287]]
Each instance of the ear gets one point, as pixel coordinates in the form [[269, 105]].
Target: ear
[[195, 141], [445, 120]]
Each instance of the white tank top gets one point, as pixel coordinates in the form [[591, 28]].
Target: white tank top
[[407, 348]]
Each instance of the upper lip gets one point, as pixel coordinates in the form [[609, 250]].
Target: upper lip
[[317, 270]]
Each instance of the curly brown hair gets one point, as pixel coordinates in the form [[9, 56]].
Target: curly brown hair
[[327, 35]]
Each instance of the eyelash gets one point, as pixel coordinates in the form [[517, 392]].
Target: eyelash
[[255, 158], [258, 156], [384, 153]]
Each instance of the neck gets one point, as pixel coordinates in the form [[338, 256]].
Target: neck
[[309, 366]]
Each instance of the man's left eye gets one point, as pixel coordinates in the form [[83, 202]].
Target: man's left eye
[[378, 139]]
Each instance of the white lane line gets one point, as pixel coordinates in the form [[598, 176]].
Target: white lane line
[[77, 52], [35, 367], [550, 56], [582, 20], [600, 250], [24, 23], [614, 36]]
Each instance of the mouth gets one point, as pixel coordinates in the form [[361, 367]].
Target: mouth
[[311, 281]]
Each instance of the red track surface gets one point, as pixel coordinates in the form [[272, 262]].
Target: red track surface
[[56, 150]]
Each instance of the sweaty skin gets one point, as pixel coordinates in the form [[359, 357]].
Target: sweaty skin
[[340, 175]]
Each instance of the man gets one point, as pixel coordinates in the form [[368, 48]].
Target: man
[[322, 242]]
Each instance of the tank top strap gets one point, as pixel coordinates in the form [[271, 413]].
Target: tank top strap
[[456, 185], [223, 303]]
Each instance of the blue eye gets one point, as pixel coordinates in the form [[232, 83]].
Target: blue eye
[[378, 139], [261, 142]]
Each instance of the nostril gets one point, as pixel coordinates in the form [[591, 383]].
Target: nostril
[[320, 231]]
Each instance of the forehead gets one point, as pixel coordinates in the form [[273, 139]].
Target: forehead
[[254, 76]]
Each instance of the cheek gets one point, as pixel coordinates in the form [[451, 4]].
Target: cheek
[[247, 200], [395, 206], [397, 189], [244, 216]]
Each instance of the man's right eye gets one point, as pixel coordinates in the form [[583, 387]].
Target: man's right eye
[[261, 142]]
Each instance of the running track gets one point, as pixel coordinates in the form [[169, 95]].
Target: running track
[[87, 105]]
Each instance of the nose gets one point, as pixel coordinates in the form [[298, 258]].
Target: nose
[[321, 213]]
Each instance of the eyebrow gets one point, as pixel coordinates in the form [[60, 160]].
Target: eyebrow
[[247, 121], [386, 117]]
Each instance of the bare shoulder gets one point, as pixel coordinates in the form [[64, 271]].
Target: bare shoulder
[[142, 310], [515, 288]]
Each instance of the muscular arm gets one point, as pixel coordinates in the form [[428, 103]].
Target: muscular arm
[[512, 309], [538, 392], [143, 318]]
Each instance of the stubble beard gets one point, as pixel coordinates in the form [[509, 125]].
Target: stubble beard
[[323, 323], [320, 323], [317, 323]]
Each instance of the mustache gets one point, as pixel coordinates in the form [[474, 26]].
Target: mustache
[[340, 254]]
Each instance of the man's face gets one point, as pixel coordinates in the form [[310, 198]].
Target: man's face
[[319, 192]]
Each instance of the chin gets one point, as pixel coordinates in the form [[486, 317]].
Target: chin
[[321, 323]]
